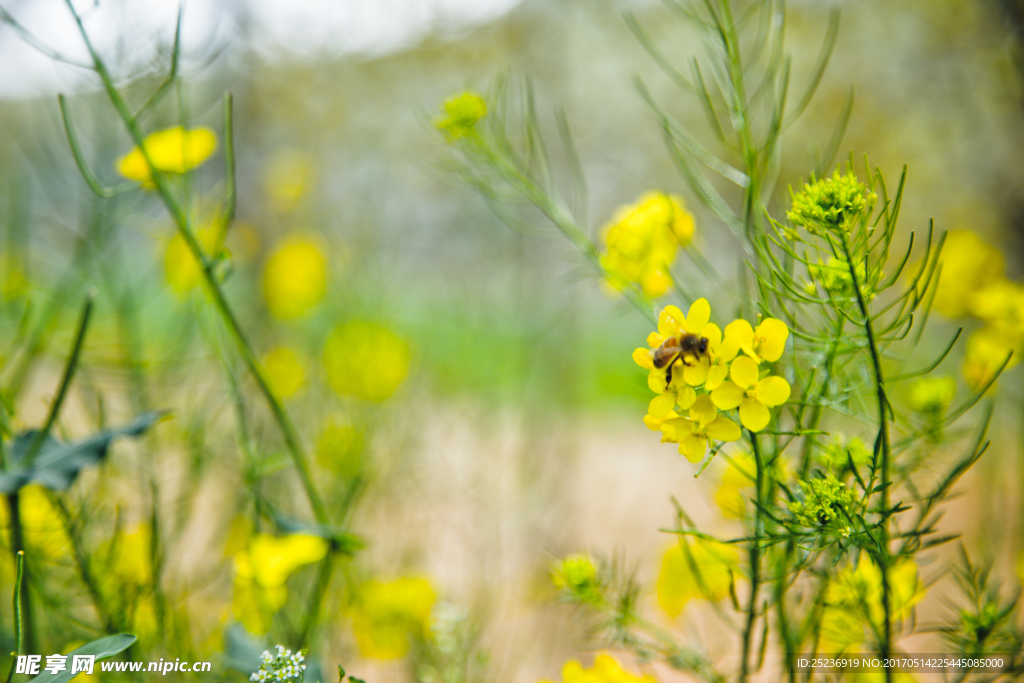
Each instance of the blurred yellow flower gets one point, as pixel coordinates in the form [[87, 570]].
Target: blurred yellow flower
[[339, 448], [386, 614], [753, 396], [262, 570], [1020, 566], [641, 242], [42, 524], [1000, 303], [987, 349], [295, 277], [969, 265], [732, 494], [181, 268], [365, 360], [853, 602], [285, 370], [287, 178], [606, 669], [129, 562], [696, 569], [931, 396], [696, 433], [174, 150], [461, 114]]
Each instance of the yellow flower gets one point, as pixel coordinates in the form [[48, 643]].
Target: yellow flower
[[130, 564], [752, 396], [732, 495], [969, 265], [45, 536], [986, 351], [1000, 303], [853, 601], [386, 614], [285, 370], [295, 277], [1020, 566], [365, 360], [931, 395], [641, 242], [766, 343], [461, 115], [262, 570], [287, 178], [702, 569], [606, 669], [181, 268], [671, 322], [174, 150], [696, 433]]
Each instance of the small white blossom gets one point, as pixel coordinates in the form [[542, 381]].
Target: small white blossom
[[280, 666]]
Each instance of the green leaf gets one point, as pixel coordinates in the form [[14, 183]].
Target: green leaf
[[56, 465], [243, 649], [101, 649]]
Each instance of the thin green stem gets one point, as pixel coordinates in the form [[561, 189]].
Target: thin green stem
[[755, 560], [884, 446], [18, 615], [65, 384], [181, 219]]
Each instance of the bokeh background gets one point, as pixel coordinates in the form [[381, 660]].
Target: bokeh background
[[509, 433]]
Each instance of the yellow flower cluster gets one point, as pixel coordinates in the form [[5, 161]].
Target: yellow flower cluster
[[606, 669], [261, 571], [727, 379], [853, 603], [641, 242], [461, 114], [365, 360], [385, 615], [698, 569], [174, 150], [295, 277], [973, 282]]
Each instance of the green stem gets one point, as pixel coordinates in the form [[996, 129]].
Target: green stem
[[27, 623], [17, 606], [220, 302], [755, 561], [65, 384], [82, 564], [885, 447]]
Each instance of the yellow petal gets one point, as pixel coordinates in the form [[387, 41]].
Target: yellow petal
[[727, 396], [670, 321], [656, 380], [697, 318], [696, 374], [653, 423], [773, 334], [654, 340], [716, 375], [713, 334], [772, 391], [676, 429], [744, 372], [693, 448], [642, 357], [739, 332], [661, 405], [703, 410], [723, 429], [754, 415], [686, 397]]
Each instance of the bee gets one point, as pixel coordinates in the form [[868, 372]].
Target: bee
[[678, 348]]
